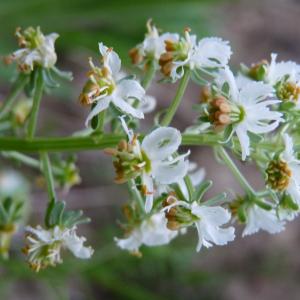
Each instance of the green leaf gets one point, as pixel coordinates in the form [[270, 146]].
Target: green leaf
[[201, 190], [241, 214], [189, 186], [255, 138], [196, 77], [226, 89], [178, 191], [287, 106], [3, 215], [228, 133], [217, 200], [54, 213], [72, 218], [65, 75], [262, 204], [288, 203], [50, 82]]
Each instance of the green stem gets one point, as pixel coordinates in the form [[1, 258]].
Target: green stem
[[167, 119], [60, 144], [27, 160], [47, 170], [38, 92], [15, 91], [98, 142], [101, 121], [235, 171], [136, 195], [146, 82], [86, 143]]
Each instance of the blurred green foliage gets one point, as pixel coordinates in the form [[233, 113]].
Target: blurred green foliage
[[82, 23]]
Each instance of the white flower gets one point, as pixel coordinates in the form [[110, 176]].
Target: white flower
[[250, 108], [261, 219], [208, 221], [207, 53], [293, 164], [106, 88], [152, 232], [37, 49], [157, 161], [285, 77], [154, 44], [44, 246], [277, 71]]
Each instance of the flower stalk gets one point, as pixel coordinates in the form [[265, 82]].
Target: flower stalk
[[136, 195], [171, 111], [37, 97], [47, 170], [150, 73], [235, 171], [27, 160]]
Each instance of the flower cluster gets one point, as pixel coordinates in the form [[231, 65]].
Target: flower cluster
[[36, 49], [253, 113], [44, 246]]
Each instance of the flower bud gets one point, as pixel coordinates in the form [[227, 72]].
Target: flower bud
[[278, 175]]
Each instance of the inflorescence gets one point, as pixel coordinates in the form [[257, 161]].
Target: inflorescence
[[254, 113]]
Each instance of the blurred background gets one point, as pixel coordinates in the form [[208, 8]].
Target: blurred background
[[258, 267]]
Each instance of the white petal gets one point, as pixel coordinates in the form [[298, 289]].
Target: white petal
[[294, 191], [161, 143], [215, 215], [208, 226], [277, 71], [127, 108], [75, 245], [129, 88], [216, 235], [40, 233], [148, 104], [198, 176], [225, 75], [259, 218], [132, 243], [212, 52], [254, 92], [171, 173], [200, 237], [288, 153], [244, 140], [261, 127], [129, 132], [100, 106], [155, 231], [242, 80], [111, 59]]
